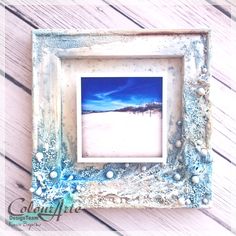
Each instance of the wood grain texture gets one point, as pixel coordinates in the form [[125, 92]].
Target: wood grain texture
[[224, 117], [148, 14], [5, 229], [18, 34], [18, 50], [2, 38], [124, 15], [100, 15], [18, 130], [228, 7], [187, 14]]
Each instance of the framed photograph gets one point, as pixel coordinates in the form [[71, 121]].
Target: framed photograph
[[121, 119]]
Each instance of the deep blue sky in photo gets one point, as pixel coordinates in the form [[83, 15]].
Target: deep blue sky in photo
[[110, 93]]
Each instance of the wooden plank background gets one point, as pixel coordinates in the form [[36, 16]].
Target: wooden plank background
[[22, 16]]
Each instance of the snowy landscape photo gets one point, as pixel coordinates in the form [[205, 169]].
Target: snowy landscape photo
[[121, 117]]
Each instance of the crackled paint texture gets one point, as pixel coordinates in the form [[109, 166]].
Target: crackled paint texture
[[184, 181]]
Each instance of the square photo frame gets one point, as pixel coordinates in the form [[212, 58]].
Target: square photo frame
[[123, 118], [60, 57]]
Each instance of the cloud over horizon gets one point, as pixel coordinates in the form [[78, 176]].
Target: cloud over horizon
[[109, 93]]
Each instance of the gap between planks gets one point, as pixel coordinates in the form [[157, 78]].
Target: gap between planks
[[186, 14], [227, 7]]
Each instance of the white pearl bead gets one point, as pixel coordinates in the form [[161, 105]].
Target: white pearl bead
[[123, 200], [39, 191], [195, 179], [109, 174], [82, 189], [188, 201], [53, 174], [180, 158], [178, 144], [199, 142], [46, 146], [205, 201], [143, 168], [70, 177], [179, 122], [181, 201], [204, 70], [177, 177], [39, 178], [31, 189], [126, 164], [201, 91], [204, 152], [117, 200], [39, 156]]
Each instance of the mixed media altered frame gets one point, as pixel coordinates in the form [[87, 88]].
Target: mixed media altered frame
[[183, 180]]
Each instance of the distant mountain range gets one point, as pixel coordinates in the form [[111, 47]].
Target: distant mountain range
[[146, 107], [153, 106]]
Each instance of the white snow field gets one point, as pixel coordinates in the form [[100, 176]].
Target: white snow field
[[122, 134]]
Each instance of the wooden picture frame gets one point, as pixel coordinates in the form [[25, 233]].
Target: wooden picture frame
[[184, 180]]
